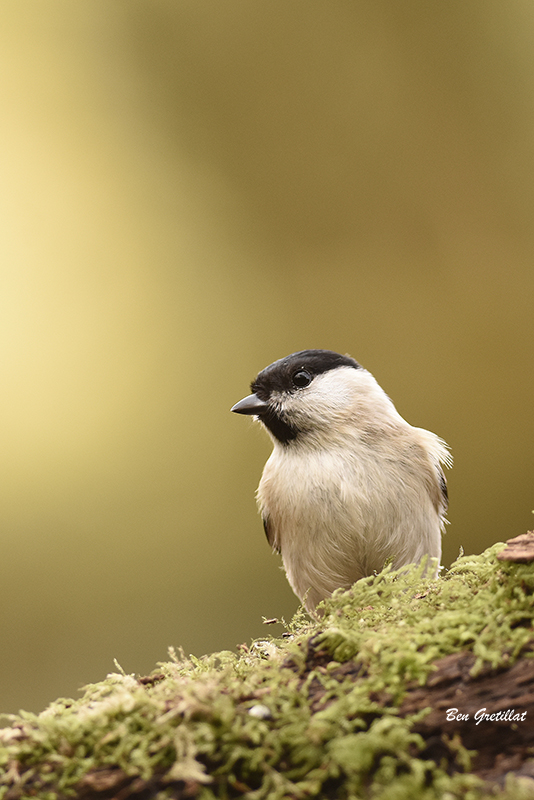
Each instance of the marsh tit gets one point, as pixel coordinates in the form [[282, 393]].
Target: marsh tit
[[349, 484]]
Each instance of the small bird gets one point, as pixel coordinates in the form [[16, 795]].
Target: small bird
[[349, 483]]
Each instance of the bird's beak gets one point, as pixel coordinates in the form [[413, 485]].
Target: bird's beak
[[250, 405]]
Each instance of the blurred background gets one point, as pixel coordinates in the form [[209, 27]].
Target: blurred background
[[190, 190]]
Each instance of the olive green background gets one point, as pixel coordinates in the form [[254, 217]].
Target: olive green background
[[191, 190]]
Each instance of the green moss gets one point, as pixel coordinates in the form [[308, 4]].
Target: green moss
[[283, 720], [478, 605]]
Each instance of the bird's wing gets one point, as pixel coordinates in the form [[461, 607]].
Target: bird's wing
[[444, 491], [269, 532]]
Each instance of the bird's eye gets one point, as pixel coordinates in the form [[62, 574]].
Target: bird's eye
[[301, 378]]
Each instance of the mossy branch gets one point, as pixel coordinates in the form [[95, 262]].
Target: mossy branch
[[354, 704]]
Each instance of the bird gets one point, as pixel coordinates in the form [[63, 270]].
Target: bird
[[349, 485]]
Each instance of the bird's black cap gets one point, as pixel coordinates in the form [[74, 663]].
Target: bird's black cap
[[279, 375]]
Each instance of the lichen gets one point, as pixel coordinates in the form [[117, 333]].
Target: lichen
[[312, 714]]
